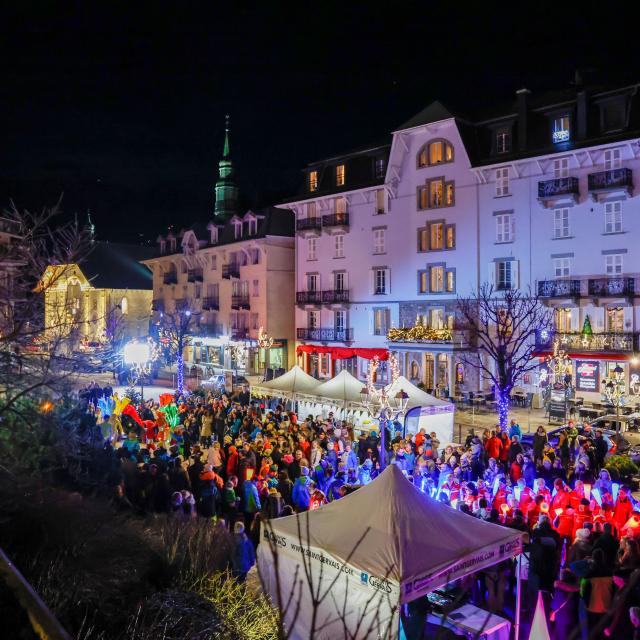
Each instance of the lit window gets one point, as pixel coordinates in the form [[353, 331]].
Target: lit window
[[124, 306], [311, 248], [615, 319], [436, 194], [436, 238], [423, 239], [504, 227], [435, 152], [436, 318], [561, 267], [340, 175], [503, 142], [613, 264], [313, 180], [451, 236], [561, 131], [562, 319], [423, 282], [561, 223], [451, 281], [379, 240], [380, 201], [612, 159], [339, 246], [380, 322], [613, 217], [311, 210], [502, 181], [436, 279], [340, 205]]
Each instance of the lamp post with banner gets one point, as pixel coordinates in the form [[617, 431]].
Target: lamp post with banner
[[615, 392], [559, 367]]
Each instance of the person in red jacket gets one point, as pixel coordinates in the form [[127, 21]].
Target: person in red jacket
[[582, 516], [540, 489], [562, 497], [232, 462], [493, 446], [564, 523], [622, 510], [506, 444], [515, 470]]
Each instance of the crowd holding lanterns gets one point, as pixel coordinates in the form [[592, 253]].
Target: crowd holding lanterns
[[238, 462]]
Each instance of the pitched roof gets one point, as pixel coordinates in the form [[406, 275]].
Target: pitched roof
[[112, 265], [435, 112]]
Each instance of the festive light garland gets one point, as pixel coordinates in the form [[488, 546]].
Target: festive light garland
[[419, 333]]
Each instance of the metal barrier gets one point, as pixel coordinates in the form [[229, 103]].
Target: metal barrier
[[44, 623]]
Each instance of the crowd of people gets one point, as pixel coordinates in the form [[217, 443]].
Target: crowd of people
[[239, 462]]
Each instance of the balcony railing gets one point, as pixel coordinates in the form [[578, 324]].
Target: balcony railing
[[608, 341], [308, 297], [181, 304], [157, 305], [335, 296], [230, 270], [211, 304], [335, 220], [603, 287], [170, 278], [558, 187], [325, 335], [309, 224], [239, 334], [558, 288], [240, 302], [610, 180], [194, 275]]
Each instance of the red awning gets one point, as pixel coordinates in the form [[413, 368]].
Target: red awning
[[587, 356], [344, 353]]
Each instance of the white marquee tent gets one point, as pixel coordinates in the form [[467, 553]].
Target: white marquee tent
[[293, 382], [434, 414], [369, 552], [343, 388]]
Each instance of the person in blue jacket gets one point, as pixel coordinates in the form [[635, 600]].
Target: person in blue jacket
[[244, 555]]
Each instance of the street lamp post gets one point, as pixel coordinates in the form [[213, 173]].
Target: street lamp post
[[138, 356], [559, 364], [614, 390]]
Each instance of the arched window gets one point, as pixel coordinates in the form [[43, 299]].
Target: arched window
[[124, 306], [73, 295], [415, 370], [435, 152]]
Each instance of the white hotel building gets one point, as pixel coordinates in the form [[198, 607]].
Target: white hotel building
[[539, 194]]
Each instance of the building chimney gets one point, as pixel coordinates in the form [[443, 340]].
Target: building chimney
[[581, 115], [522, 96]]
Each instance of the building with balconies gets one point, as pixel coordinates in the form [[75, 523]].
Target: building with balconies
[[235, 274]]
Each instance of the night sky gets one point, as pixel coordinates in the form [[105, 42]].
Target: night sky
[[123, 110]]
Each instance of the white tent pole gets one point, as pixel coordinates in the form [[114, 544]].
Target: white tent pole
[[516, 630]]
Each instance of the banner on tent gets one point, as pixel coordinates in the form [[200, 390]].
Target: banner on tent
[[363, 579], [479, 559]]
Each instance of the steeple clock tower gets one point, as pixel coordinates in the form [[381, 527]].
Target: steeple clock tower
[[226, 188]]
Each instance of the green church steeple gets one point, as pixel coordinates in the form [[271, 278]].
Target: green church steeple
[[226, 189]]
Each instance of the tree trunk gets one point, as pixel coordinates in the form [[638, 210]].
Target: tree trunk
[[502, 398], [180, 373]]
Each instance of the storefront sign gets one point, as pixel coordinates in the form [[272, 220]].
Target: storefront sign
[[587, 375]]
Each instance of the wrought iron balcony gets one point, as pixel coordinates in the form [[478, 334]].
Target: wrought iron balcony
[[231, 270], [335, 296], [240, 302], [309, 224], [607, 287], [194, 275], [182, 304], [596, 342], [171, 277], [308, 297], [558, 288], [611, 180], [548, 189], [211, 304], [325, 335], [335, 220], [157, 305]]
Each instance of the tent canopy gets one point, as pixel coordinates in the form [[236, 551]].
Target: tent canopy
[[417, 397], [342, 388], [405, 536], [296, 380]]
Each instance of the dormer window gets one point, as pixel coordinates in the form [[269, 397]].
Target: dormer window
[[561, 131], [237, 230], [163, 246], [313, 180], [214, 234], [172, 244], [435, 152], [340, 175], [252, 226], [503, 141], [380, 167]]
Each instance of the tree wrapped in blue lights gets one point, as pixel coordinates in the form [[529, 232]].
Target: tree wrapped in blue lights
[[503, 326], [174, 331]]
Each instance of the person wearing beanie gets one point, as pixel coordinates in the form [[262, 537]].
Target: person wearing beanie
[[243, 556], [230, 501]]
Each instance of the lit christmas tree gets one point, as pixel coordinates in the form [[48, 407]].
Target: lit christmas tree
[[586, 327]]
